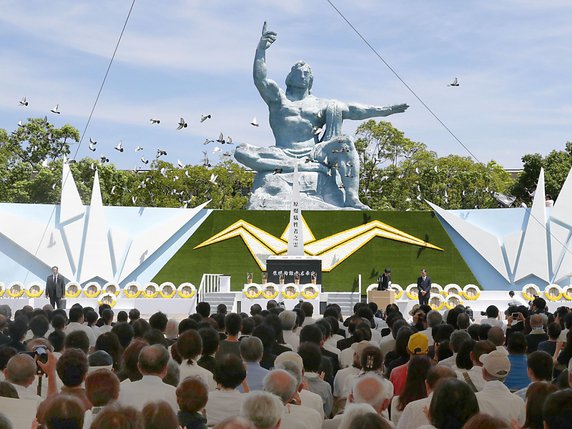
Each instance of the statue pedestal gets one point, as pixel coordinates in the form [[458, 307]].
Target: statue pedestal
[[318, 191]]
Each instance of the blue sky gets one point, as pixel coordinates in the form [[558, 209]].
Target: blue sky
[[187, 58]]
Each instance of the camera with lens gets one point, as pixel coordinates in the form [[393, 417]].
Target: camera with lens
[[39, 353]]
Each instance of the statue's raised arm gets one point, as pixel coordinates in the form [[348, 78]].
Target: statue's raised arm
[[267, 88]]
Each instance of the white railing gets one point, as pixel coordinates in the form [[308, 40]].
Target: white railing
[[209, 283]]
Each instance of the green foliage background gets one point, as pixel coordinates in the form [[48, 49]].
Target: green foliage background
[[232, 256]]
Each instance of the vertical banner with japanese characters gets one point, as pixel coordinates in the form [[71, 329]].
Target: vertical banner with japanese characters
[[295, 236]]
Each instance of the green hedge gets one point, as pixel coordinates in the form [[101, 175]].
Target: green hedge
[[232, 257]]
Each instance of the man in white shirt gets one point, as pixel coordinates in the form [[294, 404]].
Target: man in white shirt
[[492, 319], [107, 316], [496, 399], [368, 389], [263, 409], [288, 319], [413, 415], [474, 376], [20, 372], [283, 385], [457, 339], [76, 324], [434, 318], [515, 300], [152, 364], [496, 336]]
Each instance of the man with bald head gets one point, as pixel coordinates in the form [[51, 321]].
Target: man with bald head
[[413, 415], [280, 383], [496, 336], [153, 364], [20, 372]]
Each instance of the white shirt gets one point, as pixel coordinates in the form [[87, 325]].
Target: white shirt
[[299, 417], [26, 392], [150, 388], [387, 344], [104, 329], [347, 355], [311, 400], [475, 374], [340, 390], [223, 404], [291, 339], [412, 416], [429, 334], [187, 370], [450, 361], [74, 326], [493, 322], [387, 385], [495, 399]]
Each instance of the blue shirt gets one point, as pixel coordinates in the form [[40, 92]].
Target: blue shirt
[[517, 377], [254, 375]]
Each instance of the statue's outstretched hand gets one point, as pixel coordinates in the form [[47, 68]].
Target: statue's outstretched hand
[[267, 38], [399, 108]]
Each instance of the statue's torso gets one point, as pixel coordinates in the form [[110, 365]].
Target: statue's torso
[[294, 122]]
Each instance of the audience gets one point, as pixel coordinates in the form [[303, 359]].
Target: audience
[[287, 363]]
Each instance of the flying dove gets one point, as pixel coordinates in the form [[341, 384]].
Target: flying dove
[[182, 124], [119, 146], [204, 118], [23, 101], [56, 109]]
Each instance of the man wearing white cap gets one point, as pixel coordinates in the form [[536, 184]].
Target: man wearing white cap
[[496, 399]]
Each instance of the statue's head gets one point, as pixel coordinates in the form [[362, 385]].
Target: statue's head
[[300, 76]]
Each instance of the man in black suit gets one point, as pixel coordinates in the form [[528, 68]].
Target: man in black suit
[[55, 288], [423, 287], [384, 280]]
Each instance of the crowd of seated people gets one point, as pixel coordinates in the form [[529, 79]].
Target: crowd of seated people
[[289, 369]]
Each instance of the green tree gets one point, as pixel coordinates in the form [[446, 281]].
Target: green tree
[[556, 166]]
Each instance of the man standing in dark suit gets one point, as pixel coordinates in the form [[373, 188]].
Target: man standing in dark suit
[[423, 287], [55, 288], [384, 280]]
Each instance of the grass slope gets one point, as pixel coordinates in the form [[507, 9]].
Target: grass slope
[[232, 257]]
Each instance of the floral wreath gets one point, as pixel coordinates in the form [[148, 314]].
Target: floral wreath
[[185, 287], [397, 289], [439, 298], [409, 291], [167, 290], [272, 295], [310, 295], [87, 290], [248, 290], [471, 288], [16, 290], [453, 288], [289, 287], [436, 288], [2, 288], [550, 296], [70, 293], [525, 291], [107, 298], [35, 290], [111, 288], [147, 294], [127, 290], [566, 292], [448, 302]]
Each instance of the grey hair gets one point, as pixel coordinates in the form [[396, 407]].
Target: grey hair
[[280, 383], [353, 411], [293, 369], [288, 319], [251, 349], [457, 338], [434, 318], [369, 389], [263, 409], [5, 423], [20, 368]]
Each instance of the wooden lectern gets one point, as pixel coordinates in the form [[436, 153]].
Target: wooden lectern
[[381, 297]]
